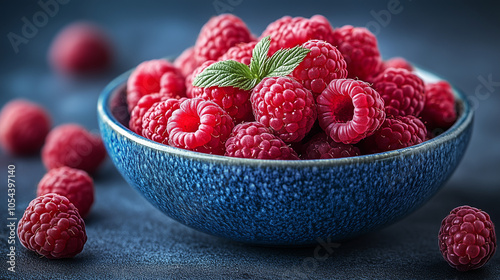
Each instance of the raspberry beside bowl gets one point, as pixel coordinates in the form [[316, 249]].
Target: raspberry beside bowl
[[281, 202]]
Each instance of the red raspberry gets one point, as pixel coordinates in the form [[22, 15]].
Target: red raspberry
[[285, 106], [186, 62], [439, 108], [199, 125], [255, 140], [235, 101], [218, 35], [146, 102], [73, 146], [23, 127], [74, 184], [396, 133], [79, 48], [321, 146], [360, 50], [173, 85], [397, 62], [154, 121], [241, 53], [321, 65], [52, 227], [146, 79], [467, 238], [196, 72], [402, 91], [350, 110], [288, 32]]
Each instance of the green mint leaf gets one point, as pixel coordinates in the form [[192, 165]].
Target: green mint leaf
[[259, 55], [284, 61], [228, 73]]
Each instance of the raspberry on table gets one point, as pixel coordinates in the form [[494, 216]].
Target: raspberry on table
[[467, 238], [285, 106], [80, 48], [255, 140], [73, 146], [23, 127], [360, 50], [147, 78], [186, 62], [350, 110], [396, 133], [74, 184], [52, 227], [439, 109], [218, 35], [288, 32], [199, 125], [146, 102], [235, 101], [321, 65], [321, 146], [241, 53], [397, 62], [154, 120], [403, 92]]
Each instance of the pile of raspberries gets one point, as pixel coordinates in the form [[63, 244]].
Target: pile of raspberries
[[342, 100]]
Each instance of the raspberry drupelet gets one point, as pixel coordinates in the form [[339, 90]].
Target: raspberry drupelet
[[285, 106], [255, 140], [23, 127], [350, 110], [146, 102], [199, 125], [467, 238], [74, 184], [154, 120], [322, 64], [52, 227]]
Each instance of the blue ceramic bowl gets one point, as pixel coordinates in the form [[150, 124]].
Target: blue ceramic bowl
[[281, 202]]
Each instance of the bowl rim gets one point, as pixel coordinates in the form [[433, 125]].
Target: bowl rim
[[463, 121]]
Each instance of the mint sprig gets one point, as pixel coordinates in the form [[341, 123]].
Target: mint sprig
[[235, 74]]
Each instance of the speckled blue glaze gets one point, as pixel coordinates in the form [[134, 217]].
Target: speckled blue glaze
[[283, 202]]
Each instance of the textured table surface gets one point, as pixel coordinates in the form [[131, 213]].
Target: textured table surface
[[130, 239]]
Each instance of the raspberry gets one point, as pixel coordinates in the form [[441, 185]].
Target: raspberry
[[396, 133], [173, 85], [402, 91], [397, 62], [255, 140], [360, 50], [74, 184], [73, 146], [350, 110], [23, 127], [146, 102], [235, 101], [199, 125], [321, 146], [321, 65], [147, 78], [190, 78], [467, 238], [186, 62], [285, 106], [154, 121], [218, 35], [52, 227], [80, 47], [241, 53], [439, 108], [288, 32]]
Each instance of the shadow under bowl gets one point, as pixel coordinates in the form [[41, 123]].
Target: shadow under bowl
[[281, 203]]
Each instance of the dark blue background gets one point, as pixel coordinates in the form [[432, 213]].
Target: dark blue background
[[129, 239]]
